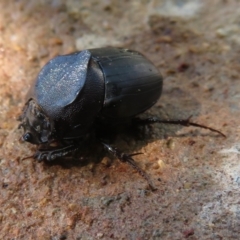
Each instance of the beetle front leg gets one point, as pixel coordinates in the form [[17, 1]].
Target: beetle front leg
[[127, 158], [183, 122], [52, 154]]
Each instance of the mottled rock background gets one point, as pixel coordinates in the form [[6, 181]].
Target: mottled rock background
[[196, 46]]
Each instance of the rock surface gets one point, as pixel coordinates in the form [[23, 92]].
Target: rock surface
[[196, 47]]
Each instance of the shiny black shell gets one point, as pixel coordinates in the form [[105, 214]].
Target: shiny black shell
[[76, 90], [132, 83]]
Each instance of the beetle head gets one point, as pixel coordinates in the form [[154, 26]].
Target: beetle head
[[36, 125]]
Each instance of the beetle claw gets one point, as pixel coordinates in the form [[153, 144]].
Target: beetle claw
[[33, 156], [52, 154]]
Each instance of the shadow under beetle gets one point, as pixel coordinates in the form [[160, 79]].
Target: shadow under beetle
[[76, 94]]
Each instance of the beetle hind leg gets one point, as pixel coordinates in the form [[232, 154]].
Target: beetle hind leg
[[127, 158], [184, 122]]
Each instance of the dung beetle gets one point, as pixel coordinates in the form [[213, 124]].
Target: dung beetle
[[77, 93]]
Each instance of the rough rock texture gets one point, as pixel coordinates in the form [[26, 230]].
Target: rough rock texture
[[196, 47]]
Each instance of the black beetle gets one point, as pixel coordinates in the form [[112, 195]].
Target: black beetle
[[74, 93]]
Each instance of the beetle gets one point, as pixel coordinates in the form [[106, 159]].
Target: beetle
[[75, 94]]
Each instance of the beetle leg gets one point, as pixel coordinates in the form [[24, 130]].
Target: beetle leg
[[52, 154], [183, 122], [123, 157]]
